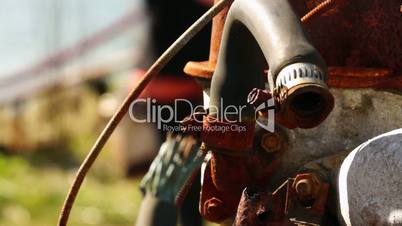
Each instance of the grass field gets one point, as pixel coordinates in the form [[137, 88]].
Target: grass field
[[44, 149], [32, 196], [53, 137]]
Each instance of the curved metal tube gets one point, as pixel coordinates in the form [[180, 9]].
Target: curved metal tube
[[258, 32]]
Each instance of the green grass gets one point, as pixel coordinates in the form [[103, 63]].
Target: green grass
[[32, 196], [54, 134]]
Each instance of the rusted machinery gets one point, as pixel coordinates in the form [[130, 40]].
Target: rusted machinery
[[298, 201], [360, 40]]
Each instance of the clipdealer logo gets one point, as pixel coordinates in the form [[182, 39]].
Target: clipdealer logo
[[268, 106], [163, 116]]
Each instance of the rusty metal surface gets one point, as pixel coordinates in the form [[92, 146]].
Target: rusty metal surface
[[226, 176], [358, 36], [360, 41], [205, 69], [307, 187], [214, 206], [299, 201], [307, 205], [352, 77], [293, 115], [302, 95], [354, 37], [259, 208], [271, 142], [358, 33], [231, 136], [202, 69]]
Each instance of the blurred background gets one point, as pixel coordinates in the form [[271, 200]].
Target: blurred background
[[65, 66]]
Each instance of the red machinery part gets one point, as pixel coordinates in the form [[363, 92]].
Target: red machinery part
[[360, 41], [226, 176], [287, 206], [229, 137], [233, 136]]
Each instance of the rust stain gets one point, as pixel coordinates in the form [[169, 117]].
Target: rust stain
[[353, 36]]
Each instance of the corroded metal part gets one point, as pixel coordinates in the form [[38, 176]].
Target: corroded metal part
[[297, 68], [226, 176], [271, 142], [213, 207], [355, 77], [230, 137], [205, 69], [202, 69], [235, 137], [307, 187], [355, 38], [307, 198], [304, 98], [286, 206], [360, 40], [259, 208], [358, 33]]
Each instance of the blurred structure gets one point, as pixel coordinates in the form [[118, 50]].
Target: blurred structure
[[73, 43], [168, 21]]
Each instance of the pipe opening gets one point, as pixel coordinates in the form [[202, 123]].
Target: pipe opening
[[308, 103]]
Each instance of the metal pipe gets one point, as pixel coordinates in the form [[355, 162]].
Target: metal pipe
[[258, 32]]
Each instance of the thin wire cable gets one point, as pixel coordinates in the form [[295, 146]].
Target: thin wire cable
[[316, 10], [135, 92]]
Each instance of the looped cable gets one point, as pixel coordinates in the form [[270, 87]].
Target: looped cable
[[159, 64]]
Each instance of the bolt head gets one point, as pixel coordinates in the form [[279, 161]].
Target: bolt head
[[304, 187], [271, 142]]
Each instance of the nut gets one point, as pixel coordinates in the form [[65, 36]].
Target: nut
[[271, 142], [304, 187], [307, 187]]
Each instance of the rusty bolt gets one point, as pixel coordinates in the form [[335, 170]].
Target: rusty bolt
[[307, 187], [304, 187], [271, 142]]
